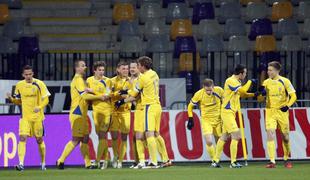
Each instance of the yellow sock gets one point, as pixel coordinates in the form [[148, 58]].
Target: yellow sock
[[135, 153], [21, 151], [42, 152], [115, 148], [161, 147], [271, 150], [286, 150], [105, 149], [233, 150], [211, 151], [152, 146], [68, 149], [122, 151], [218, 150], [85, 154], [140, 150], [99, 150]]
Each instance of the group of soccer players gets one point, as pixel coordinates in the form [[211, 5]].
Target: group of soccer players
[[112, 100], [219, 108]]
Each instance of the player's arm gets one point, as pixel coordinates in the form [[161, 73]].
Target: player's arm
[[193, 102], [16, 98], [243, 90], [82, 89], [292, 95], [131, 94]]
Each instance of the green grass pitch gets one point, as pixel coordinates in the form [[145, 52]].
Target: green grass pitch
[[201, 171]]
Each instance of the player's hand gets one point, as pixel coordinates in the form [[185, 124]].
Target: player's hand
[[123, 92], [37, 109], [104, 98], [262, 90], [119, 103], [257, 93], [89, 90], [190, 123], [284, 108]]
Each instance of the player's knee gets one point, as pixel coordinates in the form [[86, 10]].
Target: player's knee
[[39, 140], [85, 139], [270, 135], [156, 134], [149, 134], [114, 135], [22, 138], [285, 138]]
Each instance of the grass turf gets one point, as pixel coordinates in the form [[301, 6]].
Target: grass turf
[[301, 170]]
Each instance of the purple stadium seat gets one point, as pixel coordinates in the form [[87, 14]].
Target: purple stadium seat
[[202, 11], [166, 2], [184, 44], [28, 46], [260, 27], [267, 57]]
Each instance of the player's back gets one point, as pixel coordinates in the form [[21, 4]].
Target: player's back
[[231, 96], [277, 91], [77, 88], [150, 91]]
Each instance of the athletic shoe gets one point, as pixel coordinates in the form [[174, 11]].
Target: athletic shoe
[[215, 165], [151, 166], [114, 162], [166, 164], [288, 164], [133, 165], [19, 167], [43, 167], [104, 165], [91, 167], [139, 166], [119, 165], [271, 165], [60, 165], [235, 165]]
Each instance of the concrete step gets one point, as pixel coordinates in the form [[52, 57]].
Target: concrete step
[[56, 4], [82, 46], [73, 21], [90, 37], [25, 13], [61, 29]]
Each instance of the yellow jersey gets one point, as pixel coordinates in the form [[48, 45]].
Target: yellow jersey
[[138, 101], [148, 86], [31, 96], [118, 84], [278, 90], [77, 88], [210, 105], [231, 95], [100, 87]]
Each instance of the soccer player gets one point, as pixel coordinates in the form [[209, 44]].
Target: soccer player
[[120, 115], [209, 99], [280, 96], [80, 94], [32, 94], [101, 85], [148, 87], [233, 90]]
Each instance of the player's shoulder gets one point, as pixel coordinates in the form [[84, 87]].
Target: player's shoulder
[[90, 79], [284, 80], [218, 88], [38, 82], [232, 81], [199, 92]]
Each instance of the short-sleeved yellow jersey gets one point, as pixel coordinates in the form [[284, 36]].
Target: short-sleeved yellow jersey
[[77, 88], [278, 90], [100, 87], [148, 86], [118, 84], [231, 96], [31, 96], [138, 98], [210, 105]]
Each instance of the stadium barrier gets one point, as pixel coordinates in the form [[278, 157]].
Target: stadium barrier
[[182, 145]]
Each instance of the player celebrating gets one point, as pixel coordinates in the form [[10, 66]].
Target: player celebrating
[[209, 99], [148, 87], [78, 115], [230, 106], [121, 115], [32, 95], [101, 85], [280, 95]]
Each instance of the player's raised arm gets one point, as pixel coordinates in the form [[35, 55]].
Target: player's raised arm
[[243, 90]]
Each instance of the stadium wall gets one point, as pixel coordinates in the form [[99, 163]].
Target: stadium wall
[[182, 145]]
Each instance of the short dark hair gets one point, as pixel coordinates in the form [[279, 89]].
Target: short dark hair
[[27, 67], [276, 65], [145, 61], [98, 64], [122, 63], [208, 82], [239, 68], [134, 61], [76, 62]]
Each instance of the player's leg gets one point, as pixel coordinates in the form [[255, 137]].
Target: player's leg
[[149, 117], [271, 126], [114, 130], [24, 132], [207, 131], [284, 128], [102, 121], [125, 128], [139, 128], [39, 133], [219, 148]]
